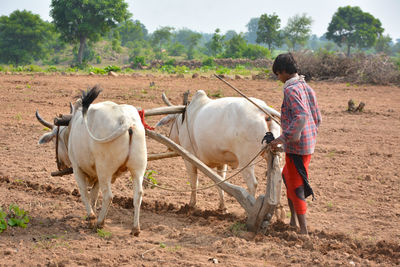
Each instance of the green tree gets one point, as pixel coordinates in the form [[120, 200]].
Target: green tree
[[54, 47], [383, 44], [139, 48], [176, 49], [161, 36], [297, 31], [268, 30], [352, 27], [82, 20], [131, 31], [24, 37], [252, 27], [192, 41], [216, 44], [182, 36], [230, 34], [235, 47]]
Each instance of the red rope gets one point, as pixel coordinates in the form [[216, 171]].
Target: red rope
[[141, 114]]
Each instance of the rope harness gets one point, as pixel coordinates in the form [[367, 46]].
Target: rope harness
[[60, 171], [141, 115]]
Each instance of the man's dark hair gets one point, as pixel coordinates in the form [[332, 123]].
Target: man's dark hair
[[285, 62]]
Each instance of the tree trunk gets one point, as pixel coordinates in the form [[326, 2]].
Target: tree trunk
[[348, 50], [82, 43]]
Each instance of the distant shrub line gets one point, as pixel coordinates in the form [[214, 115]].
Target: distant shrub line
[[322, 65], [358, 68]]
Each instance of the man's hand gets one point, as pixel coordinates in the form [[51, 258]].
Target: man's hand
[[274, 144], [270, 142]]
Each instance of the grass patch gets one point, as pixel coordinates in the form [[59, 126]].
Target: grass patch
[[14, 217], [237, 228], [329, 205], [148, 175], [104, 234]]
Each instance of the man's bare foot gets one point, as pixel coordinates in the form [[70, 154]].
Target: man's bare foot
[[304, 231], [303, 224]]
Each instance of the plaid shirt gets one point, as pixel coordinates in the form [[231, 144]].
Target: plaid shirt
[[300, 117]]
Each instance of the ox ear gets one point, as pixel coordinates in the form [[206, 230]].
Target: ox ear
[[47, 137], [166, 120]]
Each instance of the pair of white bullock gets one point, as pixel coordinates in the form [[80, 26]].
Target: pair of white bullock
[[103, 140]]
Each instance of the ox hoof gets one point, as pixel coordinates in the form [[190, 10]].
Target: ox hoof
[[100, 225], [135, 231], [91, 219]]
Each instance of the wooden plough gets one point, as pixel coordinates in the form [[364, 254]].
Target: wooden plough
[[257, 210]]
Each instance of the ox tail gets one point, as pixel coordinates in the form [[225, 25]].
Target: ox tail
[[88, 97], [272, 111]]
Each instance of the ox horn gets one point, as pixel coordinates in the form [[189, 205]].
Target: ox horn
[[186, 97], [42, 121], [165, 99]]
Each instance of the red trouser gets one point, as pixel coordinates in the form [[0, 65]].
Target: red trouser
[[296, 167]]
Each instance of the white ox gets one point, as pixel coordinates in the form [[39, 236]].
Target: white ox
[[99, 146], [221, 132]]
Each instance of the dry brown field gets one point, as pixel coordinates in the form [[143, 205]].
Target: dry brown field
[[354, 172]]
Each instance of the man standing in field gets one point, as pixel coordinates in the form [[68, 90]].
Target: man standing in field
[[300, 118]]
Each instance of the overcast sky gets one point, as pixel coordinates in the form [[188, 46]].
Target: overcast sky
[[207, 15]]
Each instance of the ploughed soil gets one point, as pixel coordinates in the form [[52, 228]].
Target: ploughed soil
[[354, 172]]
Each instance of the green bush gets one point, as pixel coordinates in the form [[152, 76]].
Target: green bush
[[171, 62], [397, 61], [112, 68], [242, 70], [174, 69], [17, 69], [138, 60], [116, 45], [72, 69], [51, 69], [33, 68], [181, 69], [208, 62], [168, 69], [253, 51], [3, 222], [222, 70], [128, 70], [17, 216], [96, 70]]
